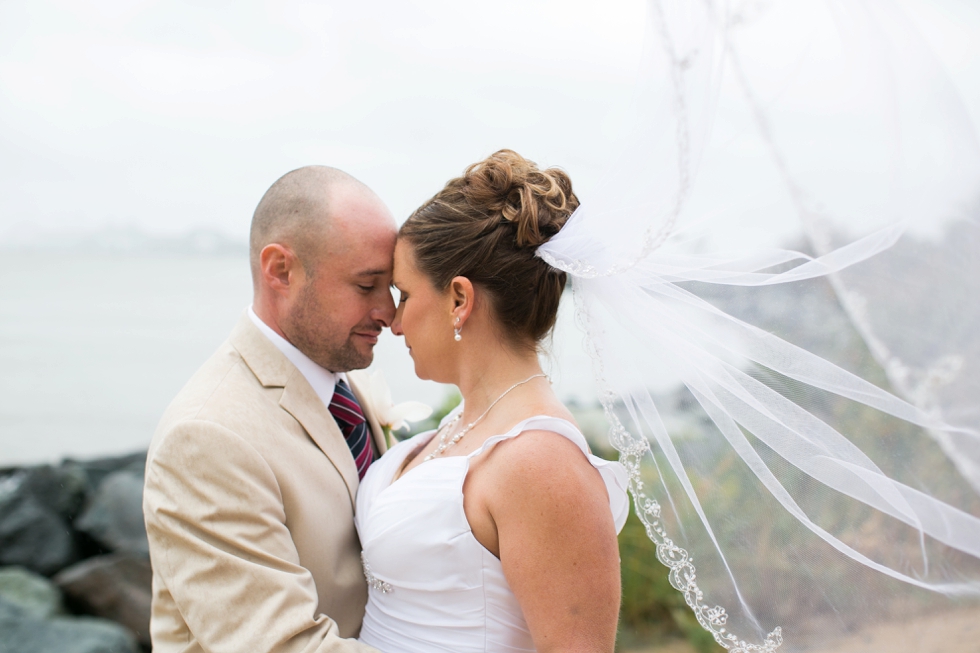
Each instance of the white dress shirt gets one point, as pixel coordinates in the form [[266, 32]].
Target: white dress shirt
[[322, 380]]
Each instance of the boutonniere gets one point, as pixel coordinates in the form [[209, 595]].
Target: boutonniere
[[392, 417]]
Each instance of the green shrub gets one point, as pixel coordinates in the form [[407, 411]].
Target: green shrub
[[652, 610]]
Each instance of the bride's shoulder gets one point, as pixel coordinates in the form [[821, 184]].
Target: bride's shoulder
[[546, 438], [541, 470], [544, 432], [545, 444]]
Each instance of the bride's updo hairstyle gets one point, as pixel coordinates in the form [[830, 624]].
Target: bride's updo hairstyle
[[486, 226]]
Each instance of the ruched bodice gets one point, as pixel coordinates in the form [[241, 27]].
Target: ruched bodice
[[433, 586]]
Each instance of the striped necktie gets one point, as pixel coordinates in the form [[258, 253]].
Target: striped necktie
[[349, 417]]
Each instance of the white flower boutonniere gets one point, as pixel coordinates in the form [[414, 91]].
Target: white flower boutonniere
[[391, 417]]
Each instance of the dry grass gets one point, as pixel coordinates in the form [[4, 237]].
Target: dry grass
[[950, 632], [679, 646]]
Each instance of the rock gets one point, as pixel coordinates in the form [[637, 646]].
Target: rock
[[37, 505], [97, 470], [10, 482], [21, 632], [35, 594], [33, 535], [114, 515], [116, 587], [63, 489]]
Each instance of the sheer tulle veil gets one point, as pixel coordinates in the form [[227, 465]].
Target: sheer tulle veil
[[823, 475]]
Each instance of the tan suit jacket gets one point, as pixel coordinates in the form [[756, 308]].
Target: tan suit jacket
[[249, 507]]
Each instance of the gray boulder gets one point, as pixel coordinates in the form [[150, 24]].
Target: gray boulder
[[114, 515], [21, 632], [35, 594], [62, 489], [99, 468], [34, 536], [37, 505], [116, 587]]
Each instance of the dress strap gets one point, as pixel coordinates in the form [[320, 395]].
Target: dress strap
[[538, 422], [613, 473]]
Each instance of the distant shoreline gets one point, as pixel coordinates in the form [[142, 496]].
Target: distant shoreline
[[124, 241]]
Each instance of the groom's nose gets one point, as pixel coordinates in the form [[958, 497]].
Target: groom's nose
[[384, 312]]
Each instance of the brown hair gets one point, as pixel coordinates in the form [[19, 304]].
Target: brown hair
[[486, 226]]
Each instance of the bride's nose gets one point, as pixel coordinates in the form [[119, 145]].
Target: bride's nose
[[384, 312], [396, 322]]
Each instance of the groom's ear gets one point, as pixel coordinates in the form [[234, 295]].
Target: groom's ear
[[279, 267]]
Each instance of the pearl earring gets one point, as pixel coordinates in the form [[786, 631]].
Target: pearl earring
[[456, 329]]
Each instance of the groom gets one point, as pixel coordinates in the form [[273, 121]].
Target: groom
[[252, 472]]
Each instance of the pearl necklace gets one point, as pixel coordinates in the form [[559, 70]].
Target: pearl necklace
[[445, 444]]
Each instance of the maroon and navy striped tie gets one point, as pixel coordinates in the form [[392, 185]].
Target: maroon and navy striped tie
[[349, 417]]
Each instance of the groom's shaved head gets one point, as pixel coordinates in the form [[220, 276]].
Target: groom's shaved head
[[296, 212], [321, 249]]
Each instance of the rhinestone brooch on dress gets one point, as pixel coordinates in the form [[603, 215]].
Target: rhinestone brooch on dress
[[372, 580]]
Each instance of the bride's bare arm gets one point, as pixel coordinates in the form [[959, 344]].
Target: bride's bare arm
[[539, 505]]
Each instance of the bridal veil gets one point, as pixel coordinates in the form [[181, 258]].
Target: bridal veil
[[799, 408]]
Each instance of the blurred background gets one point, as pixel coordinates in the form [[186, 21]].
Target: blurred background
[[136, 139]]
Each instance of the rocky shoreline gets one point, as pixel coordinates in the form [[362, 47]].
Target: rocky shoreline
[[74, 562]]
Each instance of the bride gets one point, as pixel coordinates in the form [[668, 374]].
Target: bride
[[497, 531], [823, 487]]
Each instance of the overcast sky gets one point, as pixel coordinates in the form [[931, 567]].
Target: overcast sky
[[173, 115]]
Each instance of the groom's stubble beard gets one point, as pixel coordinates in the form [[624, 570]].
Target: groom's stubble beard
[[328, 344]]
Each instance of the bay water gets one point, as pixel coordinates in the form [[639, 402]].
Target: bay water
[[94, 346]]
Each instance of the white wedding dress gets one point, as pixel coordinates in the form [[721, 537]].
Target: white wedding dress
[[432, 585]]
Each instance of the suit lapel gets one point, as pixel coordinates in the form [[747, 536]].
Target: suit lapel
[[300, 401], [273, 370]]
